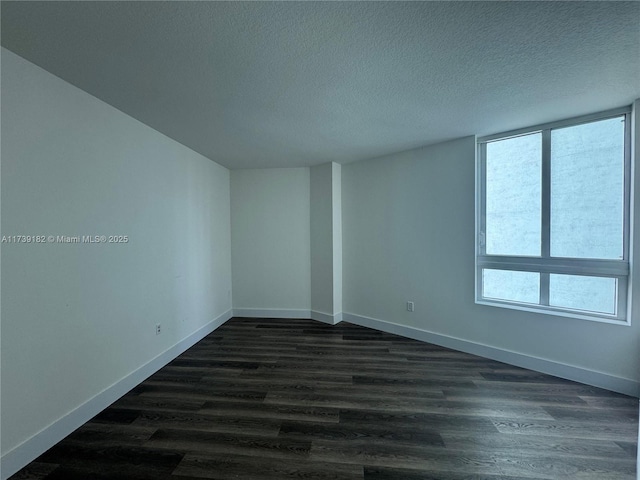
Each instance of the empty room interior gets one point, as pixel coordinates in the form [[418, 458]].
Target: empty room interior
[[329, 240]]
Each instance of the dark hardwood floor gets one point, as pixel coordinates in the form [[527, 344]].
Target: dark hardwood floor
[[263, 399]]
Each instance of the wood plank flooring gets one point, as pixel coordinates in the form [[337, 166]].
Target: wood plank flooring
[[267, 399]]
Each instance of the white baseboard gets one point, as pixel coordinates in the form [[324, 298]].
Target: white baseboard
[[326, 317], [26, 452], [569, 372], [271, 313]]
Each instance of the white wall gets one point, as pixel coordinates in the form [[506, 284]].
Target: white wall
[[321, 239], [336, 199], [79, 318], [270, 234], [326, 243], [408, 234]]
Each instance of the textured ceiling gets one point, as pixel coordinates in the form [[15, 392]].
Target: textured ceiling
[[279, 84]]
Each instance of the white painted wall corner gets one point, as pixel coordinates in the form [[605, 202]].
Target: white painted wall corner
[[326, 317]]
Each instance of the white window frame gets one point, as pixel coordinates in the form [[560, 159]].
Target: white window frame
[[545, 264]]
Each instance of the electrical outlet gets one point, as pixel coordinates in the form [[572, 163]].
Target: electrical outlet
[[158, 329], [410, 306]]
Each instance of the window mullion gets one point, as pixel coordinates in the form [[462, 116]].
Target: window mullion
[[544, 288], [546, 194], [546, 212]]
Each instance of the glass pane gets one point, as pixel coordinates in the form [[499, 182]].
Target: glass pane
[[587, 190], [593, 294], [513, 192], [510, 285]]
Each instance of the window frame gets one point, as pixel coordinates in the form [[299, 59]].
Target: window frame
[[545, 264]]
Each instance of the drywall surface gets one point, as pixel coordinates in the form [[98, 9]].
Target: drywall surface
[[336, 199], [79, 317], [322, 239], [270, 230], [326, 242], [408, 235]]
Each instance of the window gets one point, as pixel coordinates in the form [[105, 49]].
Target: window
[[553, 218]]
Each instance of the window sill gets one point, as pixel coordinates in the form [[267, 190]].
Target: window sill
[[555, 312]]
